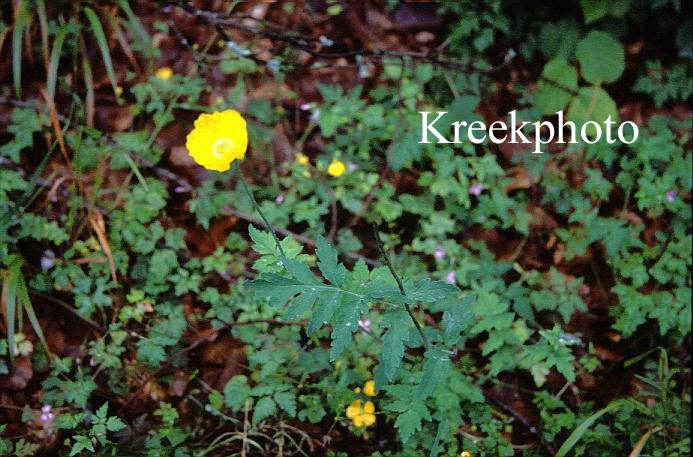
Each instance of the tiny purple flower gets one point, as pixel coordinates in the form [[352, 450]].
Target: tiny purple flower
[[439, 253], [671, 196], [476, 189], [47, 260], [365, 326], [279, 200], [315, 116], [450, 277], [306, 106], [46, 409], [351, 166]]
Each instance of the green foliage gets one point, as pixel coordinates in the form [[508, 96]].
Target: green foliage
[[503, 269]]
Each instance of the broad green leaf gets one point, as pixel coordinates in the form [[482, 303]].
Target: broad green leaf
[[592, 104], [601, 57], [557, 87]]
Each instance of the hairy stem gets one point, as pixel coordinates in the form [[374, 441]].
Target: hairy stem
[[256, 207], [386, 259]]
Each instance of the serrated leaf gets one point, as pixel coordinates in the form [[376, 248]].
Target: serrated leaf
[[397, 322], [300, 271], [327, 305], [457, 319], [327, 262], [344, 326], [236, 392], [410, 421], [435, 371], [300, 306], [264, 408], [431, 291], [278, 289], [287, 402]]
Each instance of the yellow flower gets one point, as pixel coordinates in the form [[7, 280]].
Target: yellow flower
[[218, 139], [362, 415], [302, 158], [119, 91], [164, 73], [336, 168], [357, 390], [465, 454], [369, 388]]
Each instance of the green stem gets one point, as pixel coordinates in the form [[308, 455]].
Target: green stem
[[386, 259], [256, 207]]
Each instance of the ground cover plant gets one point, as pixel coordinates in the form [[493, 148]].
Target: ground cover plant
[[220, 234]]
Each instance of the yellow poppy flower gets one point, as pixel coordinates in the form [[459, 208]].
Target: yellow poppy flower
[[218, 139], [361, 414], [336, 168], [302, 158], [164, 73], [465, 454], [369, 388]]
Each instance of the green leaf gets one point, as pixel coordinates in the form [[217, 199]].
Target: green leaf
[[330, 269], [593, 10], [54, 60], [592, 104], [344, 325], [574, 437], [457, 319], [601, 57], [236, 392], [97, 28], [555, 92], [398, 323], [435, 371], [264, 408], [410, 421], [287, 402], [431, 291]]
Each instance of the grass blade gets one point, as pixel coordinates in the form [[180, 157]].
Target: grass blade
[[17, 34], [55, 60], [582, 428], [97, 28], [9, 299], [25, 301]]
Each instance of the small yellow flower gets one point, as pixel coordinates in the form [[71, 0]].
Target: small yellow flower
[[218, 139], [119, 91], [369, 388], [336, 168], [357, 390], [362, 415], [465, 454], [164, 73], [302, 158]]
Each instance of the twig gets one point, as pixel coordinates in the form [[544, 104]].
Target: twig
[[313, 45]]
